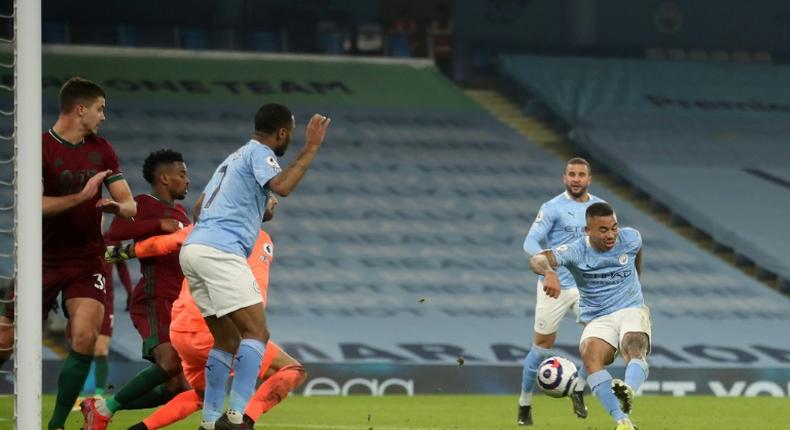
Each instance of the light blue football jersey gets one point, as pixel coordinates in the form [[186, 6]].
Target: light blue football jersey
[[235, 200], [560, 220], [607, 281]]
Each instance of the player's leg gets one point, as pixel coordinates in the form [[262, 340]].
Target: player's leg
[[577, 390], [193, 348], [6, 321], [597, 350], [281, 374], [85, 317], [159, 382], [548, 316], [102, 350], [250, 322], [225, 291], [126, 280], [218, 365], [634, 346], [102, 347], [83, 288], [6, 339]]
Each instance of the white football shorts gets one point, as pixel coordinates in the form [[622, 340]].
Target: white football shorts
[[550, 312], [220, 282], [611, 328]]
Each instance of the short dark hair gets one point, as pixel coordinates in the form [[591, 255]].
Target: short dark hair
[[272, 117], [579, 160], [77, 90], [599, 209], [158, 158]]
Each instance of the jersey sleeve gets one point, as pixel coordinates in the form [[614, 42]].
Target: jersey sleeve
[[158, 246], [264, 166], [634, 238], [111, 163], [539, 230], [569, 254]]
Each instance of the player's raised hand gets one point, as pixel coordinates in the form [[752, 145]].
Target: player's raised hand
[[92, 185], [109, 206], [316, 130], [551, 284]]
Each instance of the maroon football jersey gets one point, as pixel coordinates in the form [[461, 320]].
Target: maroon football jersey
[[161, 276], [75, 233]]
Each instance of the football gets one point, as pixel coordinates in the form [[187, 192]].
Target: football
[[556, 375]]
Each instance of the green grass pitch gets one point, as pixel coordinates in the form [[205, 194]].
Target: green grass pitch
[[484, 413]]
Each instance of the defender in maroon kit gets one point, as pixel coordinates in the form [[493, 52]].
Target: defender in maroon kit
[[153, 297], [76, 162]]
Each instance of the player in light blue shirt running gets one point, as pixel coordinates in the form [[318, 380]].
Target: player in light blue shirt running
[[559, 221], [606, 266], [214, 256]]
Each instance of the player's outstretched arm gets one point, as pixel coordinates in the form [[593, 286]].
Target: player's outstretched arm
[[165, 244], [289, 178], [52, 206], [121, 203]]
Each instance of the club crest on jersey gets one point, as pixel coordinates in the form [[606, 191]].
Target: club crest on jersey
[[272, 162], [539, 218], [562, 248], [623, 259]]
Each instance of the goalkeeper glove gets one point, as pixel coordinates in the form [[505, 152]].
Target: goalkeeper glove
[[116, 253]]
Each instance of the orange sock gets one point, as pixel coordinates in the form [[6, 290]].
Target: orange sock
[[178, 408], [274, 389]]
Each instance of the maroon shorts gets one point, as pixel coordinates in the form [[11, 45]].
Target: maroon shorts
[[109, 306], [82, 278], [151, 318]]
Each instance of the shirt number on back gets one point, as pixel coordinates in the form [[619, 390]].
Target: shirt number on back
[[222, 170]]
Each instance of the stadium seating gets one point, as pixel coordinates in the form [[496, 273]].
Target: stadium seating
[[410, 221], [708, 141]]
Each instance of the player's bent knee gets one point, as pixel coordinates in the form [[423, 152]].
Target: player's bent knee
[[84, 341], [635, 345], [171, 365], [257, 333]]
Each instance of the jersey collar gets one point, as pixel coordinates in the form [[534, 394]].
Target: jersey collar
[[64, 141]]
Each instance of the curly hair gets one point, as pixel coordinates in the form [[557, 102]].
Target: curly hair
[[158, 158]]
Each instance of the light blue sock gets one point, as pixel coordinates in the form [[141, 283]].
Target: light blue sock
[[246, 367], [601, 386], [217, 373], [636, 373], [581, 379], [531, 362]]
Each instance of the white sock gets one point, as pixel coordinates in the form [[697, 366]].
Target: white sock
[[525, 399]]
